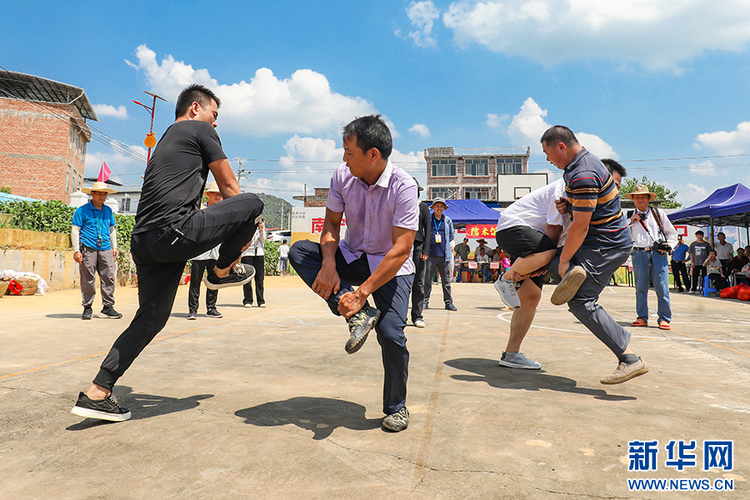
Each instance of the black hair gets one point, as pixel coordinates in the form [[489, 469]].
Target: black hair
[[194, 93], [559, 133], [614, 166], [699, 232], [371, 132]]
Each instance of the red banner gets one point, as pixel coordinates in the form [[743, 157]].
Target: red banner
[[480, 230]]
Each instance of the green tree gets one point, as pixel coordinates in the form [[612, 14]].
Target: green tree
[[663, 194]]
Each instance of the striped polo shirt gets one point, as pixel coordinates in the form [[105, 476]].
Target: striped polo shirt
[[590, 188]]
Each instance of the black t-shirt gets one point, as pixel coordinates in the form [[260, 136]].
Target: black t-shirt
[[176, 175]]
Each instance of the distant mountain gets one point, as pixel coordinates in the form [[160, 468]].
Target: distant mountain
[[272, 211]]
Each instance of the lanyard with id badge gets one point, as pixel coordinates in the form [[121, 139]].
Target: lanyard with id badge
[[438, 236]]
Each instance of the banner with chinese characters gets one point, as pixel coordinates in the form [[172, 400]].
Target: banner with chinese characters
[[480, 230], [307, 223]]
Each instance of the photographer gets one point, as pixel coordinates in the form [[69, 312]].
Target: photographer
[[654, 237]]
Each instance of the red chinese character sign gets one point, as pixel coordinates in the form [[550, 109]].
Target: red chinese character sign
[[476, 231]]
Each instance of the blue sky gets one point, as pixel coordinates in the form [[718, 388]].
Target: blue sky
[[661, 86]]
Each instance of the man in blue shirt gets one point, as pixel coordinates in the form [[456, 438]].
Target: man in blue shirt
[[679, 257], [441, 251], [95, 245]]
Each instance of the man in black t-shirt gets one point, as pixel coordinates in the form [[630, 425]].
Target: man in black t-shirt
[[171, 229]]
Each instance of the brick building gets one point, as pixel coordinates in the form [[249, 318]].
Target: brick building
[[457, 174], [43, 136], [317, 200]]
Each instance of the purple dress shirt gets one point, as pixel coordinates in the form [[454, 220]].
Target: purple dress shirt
[[372, 212]]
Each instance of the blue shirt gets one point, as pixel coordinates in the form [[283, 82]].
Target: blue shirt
[[94, 224], [679, 253]]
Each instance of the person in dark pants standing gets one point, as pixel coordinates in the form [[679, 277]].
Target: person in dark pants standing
[[419, 256], [680, 256], [201, 264], [698, 254], [254, 256], [170, 228], [441, 251], [380, 202]]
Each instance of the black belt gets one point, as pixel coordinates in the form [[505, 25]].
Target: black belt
[[642, 248]]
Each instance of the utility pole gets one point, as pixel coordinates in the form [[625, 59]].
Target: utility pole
[[150, 140], [240, 172], [281, 220]]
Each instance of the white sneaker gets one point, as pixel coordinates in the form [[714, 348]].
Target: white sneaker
[[508, 293], [518, 360], [419, 323]]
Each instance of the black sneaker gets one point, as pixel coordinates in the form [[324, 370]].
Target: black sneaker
[[238, 276], [398, 421], [87, 313], [192, 315], [451, 307], [109, 312], [104, 409], [359, 326], [214, 313]]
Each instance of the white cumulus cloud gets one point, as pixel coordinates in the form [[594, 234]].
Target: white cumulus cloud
[[420, 129], [529, 124], [422, 16], [304, 103], [109, 110], [727, 143], [658, 35], [495, 120]]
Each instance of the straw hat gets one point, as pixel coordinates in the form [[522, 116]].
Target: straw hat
[[100, 187], [213, 188], [641, 189]]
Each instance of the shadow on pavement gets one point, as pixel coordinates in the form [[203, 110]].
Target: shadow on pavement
[[143, 406], [64, 316], [321, 416], [488, 371]]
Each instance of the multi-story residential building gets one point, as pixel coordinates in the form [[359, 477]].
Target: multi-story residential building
[[458, 173]]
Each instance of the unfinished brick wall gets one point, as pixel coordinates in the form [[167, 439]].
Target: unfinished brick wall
[[36, 156]]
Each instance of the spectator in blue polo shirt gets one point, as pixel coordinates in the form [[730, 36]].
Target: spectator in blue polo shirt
[[680, 256], [95, 245]]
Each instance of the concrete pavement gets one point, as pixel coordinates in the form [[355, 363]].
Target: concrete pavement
[[265, 403]]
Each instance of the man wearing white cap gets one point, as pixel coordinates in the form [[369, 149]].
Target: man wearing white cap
[[95, 245], [204, 263]]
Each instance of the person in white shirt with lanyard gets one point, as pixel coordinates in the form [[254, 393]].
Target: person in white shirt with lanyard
[[653, 237]]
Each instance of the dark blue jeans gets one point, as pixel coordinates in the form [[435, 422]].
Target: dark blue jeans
[[392, 299]]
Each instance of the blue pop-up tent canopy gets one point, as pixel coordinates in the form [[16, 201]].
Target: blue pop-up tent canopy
[[728, 206], [471, 212]]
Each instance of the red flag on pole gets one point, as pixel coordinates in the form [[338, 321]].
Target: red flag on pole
[[104, 173]]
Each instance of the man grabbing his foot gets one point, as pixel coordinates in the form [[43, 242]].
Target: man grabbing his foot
[[380, 201]]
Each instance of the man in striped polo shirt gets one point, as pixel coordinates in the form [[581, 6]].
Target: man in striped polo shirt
[[598, 241]]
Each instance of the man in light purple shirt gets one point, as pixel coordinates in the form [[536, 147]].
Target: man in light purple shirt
[[380, 202]]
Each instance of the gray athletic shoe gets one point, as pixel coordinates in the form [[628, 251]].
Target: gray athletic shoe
[[518, 360], [568, 286], [508, 291], [397, 422], [359, 326]]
